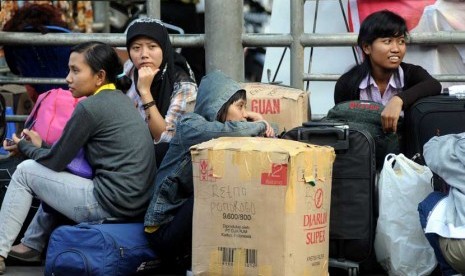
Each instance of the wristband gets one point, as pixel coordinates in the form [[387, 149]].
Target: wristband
[[147, 105]]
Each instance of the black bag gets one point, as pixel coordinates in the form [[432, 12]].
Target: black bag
[[360, 114], [353, 201], [432, 116]]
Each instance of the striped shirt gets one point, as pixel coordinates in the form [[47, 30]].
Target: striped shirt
[[392, 89]]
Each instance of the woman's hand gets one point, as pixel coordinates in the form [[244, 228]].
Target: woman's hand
[[391, 113], [12, 148], [146, 75], [254, 116], [33, 136]]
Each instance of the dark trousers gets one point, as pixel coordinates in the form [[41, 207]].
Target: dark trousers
[[160, 151], [173, 241]]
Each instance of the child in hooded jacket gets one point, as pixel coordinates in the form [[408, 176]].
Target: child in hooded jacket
[[219, 111]]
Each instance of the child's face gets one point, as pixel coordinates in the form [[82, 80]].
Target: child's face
[[386, 53], [237, 112]]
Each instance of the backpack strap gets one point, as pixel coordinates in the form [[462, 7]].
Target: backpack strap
[[2, 117], [33, 115]]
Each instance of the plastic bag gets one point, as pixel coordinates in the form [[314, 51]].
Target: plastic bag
[[400, 244]]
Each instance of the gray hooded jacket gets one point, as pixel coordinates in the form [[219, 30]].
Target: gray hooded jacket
[[445, 155], [174, 183]]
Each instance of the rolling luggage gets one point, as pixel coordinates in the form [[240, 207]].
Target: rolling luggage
[[353, 201], [432, 116]]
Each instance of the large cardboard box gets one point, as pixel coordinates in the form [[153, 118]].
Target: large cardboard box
[[17, 97], [261, 207], [283, 106]]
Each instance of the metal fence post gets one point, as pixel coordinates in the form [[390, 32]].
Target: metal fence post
[[153, 8], [102, 15], [223, 37], [297, 49]]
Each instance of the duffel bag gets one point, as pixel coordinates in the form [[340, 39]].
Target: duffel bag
[[97, 249]]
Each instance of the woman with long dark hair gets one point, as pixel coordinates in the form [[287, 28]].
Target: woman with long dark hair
[[117, 145]]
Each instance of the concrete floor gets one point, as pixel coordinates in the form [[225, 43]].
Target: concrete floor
[[39, 270]]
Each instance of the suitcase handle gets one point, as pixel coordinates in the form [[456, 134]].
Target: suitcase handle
[[322, 124], [336, 137]]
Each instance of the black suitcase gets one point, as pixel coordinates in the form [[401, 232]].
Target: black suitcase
[[432, 116], [353, 199]]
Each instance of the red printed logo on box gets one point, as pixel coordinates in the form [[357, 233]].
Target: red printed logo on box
[[278, 175], [318, 198], [266, 106], [204, 170]]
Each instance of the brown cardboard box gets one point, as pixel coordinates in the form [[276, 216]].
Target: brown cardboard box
[[284, 106], [18, 99], [261, 207]]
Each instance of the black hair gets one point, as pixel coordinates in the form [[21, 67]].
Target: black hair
[[123, 82], [37, 16], [223, 112], [101, 56], [379, 24], [383, 23]]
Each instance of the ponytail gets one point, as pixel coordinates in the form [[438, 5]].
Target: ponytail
[[123, 82]]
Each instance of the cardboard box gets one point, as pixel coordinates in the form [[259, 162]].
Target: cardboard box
[[261, 207], [284, 106], [17, 97]]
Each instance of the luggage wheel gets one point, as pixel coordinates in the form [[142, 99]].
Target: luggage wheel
[[353, 271], [351, 267]]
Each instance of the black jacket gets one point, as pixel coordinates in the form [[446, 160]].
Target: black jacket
[[418, 83]]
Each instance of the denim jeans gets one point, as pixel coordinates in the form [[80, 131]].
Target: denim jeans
[[424, 209], [40, 229], [67, 193]]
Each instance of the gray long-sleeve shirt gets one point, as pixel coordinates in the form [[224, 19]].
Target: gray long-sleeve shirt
[[118, 146]]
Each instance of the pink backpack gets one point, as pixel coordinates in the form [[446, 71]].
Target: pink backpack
[[51, 113]]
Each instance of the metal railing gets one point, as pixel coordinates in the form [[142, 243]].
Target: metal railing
[[224, 42]]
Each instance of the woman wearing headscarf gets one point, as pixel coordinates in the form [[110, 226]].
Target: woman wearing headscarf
[[162, 79]]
